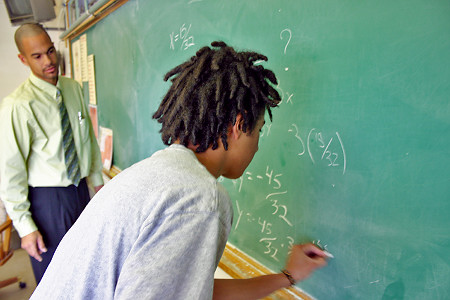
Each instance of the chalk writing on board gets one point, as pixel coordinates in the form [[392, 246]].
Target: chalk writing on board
[[265, 130], [279, 209], [275, 228], [272, 178], [327, 153], [182, 38], [286, 97], [272, 245], [272, 229], [289, 33]]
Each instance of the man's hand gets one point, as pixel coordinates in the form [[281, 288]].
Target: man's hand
[[97, 188], [33, 243]]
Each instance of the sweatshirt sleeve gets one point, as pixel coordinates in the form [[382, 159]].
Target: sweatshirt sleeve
[[174, 259]]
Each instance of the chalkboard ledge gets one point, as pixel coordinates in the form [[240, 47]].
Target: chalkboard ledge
[[111, 172], [239, 265]]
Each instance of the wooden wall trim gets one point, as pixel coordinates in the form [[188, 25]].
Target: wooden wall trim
[[239, 265], [94, 18]]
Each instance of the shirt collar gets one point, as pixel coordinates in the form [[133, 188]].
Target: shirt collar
[[183, 148], [46, 87]]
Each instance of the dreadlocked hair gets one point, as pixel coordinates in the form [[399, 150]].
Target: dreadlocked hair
[[209, 91]]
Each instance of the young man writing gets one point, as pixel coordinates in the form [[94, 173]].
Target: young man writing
[[164, 222]]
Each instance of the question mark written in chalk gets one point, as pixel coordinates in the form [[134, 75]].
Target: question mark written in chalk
[[289, 40]]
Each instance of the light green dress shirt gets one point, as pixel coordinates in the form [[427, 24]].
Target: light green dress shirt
[[31, 151]]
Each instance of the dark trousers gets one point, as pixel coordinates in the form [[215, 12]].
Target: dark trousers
[[55, 210]]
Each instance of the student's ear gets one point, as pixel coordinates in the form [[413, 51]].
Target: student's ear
[[236, 128], [23, 59]]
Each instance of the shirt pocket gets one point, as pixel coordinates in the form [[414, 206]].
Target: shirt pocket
[[84, 129]]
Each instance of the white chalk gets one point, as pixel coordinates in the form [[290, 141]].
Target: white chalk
[[328, 254]]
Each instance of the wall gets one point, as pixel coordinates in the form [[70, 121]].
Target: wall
[[12, 71]]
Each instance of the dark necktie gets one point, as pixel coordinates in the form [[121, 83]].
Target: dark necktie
[[70, 153]]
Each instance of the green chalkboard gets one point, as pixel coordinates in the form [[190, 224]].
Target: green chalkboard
[[358, 154]]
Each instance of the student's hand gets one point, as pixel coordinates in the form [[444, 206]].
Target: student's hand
[[33, 243], [303, 260]]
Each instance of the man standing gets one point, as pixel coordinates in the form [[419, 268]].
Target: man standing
[[48, 149]]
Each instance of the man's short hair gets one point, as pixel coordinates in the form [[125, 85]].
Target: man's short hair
[[26, 30]]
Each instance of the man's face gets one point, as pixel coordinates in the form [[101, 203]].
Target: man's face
[[40, 55]]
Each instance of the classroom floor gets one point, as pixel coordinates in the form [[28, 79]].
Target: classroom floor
[[17, 266]]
